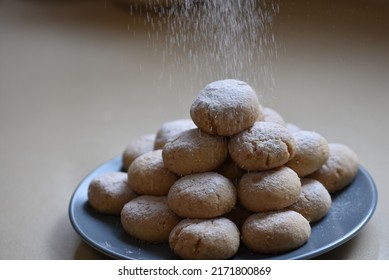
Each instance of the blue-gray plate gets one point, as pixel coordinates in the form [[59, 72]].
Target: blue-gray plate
[[350, 211]]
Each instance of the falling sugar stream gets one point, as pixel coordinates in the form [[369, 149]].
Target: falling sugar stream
[[207, 40]]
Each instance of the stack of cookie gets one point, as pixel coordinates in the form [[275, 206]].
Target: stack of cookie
[[235, 171]]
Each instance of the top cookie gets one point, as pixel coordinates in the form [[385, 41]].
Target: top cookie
[[225, 107]]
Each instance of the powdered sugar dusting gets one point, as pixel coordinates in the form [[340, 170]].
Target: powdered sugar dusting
[[210, 40]]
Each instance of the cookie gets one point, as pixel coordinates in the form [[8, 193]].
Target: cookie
[[200, 239], [311, 152], [340, 168], [194, 151], [170, 130], [314, 201], [225, 107], [275, 232], [136, 147], [148, 218], [269, 190], [204, 195], [264, 146], [148, 175], [109, 192]]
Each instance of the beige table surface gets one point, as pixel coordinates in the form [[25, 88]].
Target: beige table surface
[[80, 79]]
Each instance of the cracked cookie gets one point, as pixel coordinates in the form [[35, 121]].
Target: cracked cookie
[[200, 239], [314, 201], [264, 146], [269, 190]]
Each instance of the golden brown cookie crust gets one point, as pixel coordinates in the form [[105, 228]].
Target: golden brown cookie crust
[[205, 195], [225, 107], [198, 239], [264, 146]]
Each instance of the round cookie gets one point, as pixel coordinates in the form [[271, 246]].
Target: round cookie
[[148, 218], [314, 202], [136, 147], [275, 232], [200, 239], [194, 151], [170, 130], [148, 175], [225, 107], [269, 190], [340, 168], [109, 192], [310, 154], [264, 146], [203, 195]]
